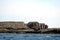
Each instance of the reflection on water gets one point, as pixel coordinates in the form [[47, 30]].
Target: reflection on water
[[13, 36]]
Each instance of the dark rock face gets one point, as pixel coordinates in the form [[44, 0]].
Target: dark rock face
[[33, 25], [37, 26], [46, 26]]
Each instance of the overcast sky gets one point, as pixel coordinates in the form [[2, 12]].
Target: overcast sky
[[43, 11]]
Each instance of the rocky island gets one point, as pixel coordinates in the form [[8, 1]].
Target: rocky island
[[30, 27]]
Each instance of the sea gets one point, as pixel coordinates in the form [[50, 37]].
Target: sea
[[18, 36]]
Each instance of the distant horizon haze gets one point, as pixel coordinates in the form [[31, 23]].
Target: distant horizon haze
[[42, 11]]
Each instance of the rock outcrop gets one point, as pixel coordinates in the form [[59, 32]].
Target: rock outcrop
[[21, 26], [37, 26], [13, 25]]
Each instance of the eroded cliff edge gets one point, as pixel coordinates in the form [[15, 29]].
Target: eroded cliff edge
[[30, 27]]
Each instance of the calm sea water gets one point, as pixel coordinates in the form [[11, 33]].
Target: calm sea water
[[14, 36]]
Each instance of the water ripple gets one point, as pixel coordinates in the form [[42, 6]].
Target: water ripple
[[13, 36]]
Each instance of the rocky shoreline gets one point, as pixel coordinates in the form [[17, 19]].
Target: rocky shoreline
[[30, 27], [44, 31]]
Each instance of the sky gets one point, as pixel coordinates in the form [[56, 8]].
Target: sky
[[42, 11]]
